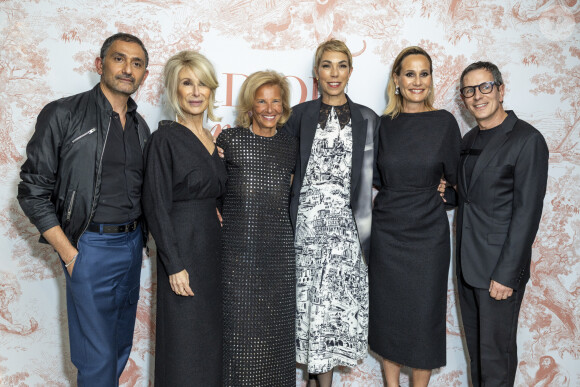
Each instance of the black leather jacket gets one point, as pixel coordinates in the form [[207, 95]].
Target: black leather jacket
[[61, 178]]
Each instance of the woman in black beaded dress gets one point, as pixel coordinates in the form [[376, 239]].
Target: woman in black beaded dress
[[409, 264], [331, 210], [258, 265], [184, 177]]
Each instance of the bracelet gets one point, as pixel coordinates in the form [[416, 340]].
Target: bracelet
[[72, 260]]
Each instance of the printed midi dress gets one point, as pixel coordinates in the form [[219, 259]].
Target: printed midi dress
[[331, 275]]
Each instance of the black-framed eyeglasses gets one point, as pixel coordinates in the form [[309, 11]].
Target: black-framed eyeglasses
[[484, 88]]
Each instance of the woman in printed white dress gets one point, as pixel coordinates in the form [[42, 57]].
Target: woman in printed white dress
[[330, 209]]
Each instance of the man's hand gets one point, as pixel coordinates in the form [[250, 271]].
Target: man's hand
[[70, 267], [220, 217], [499, 291], [441, 189], [67, 252]]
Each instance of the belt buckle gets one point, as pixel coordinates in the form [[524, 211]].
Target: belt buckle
[[127, 227]]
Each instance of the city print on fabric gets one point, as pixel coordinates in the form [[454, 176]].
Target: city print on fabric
[[332, 293]]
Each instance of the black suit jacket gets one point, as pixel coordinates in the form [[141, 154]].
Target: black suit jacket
[[499, 213], [365, 124]]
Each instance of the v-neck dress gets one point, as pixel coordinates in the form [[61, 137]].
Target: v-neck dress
[[331, 275], [182, 184]]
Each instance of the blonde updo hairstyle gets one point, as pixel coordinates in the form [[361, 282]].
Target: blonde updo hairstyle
[[203, 70], [395, 105], [248, 94]]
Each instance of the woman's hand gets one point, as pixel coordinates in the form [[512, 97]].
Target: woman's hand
[[180, 283]]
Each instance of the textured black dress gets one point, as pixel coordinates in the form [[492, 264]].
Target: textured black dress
[[258, 260], [182, 183], [409, 263]]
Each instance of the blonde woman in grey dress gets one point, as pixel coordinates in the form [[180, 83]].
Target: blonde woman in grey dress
[[330, 210]]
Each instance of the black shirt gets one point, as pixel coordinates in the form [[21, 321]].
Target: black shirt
[[483, 138], [122, 171]]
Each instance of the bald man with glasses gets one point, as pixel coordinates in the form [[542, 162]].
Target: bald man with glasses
[[502, 183]]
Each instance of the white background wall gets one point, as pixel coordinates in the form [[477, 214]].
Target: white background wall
[[47, 51]]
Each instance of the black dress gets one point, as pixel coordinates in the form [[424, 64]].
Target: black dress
[[181, 186], [410, 243], [258, 260]]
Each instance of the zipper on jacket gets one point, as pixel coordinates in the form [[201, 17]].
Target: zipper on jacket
[[141, 139], [70, 206], [93, 130], [95, 190]]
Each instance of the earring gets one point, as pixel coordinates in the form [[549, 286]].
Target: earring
[[397, 90], [250, 114], [346, 89]]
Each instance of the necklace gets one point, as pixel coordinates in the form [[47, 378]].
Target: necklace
[[252, 130]]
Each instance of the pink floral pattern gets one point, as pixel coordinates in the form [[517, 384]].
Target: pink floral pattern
[[47, 51]]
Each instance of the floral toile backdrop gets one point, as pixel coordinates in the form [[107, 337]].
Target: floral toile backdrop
[[47, 51]]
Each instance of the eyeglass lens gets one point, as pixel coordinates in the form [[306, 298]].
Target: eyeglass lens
[[484, 88]]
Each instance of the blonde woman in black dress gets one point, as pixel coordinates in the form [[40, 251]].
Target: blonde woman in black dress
[[408, 270], [258, 262], [184, 177]]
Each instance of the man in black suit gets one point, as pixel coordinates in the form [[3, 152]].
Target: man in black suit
[[502, 183]]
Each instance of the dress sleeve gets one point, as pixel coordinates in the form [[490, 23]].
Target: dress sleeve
[[223, 142], [376, 173], [452, 152], [158, 201]]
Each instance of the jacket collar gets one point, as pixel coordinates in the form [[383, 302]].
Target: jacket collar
[[491, 149], [106, 106]]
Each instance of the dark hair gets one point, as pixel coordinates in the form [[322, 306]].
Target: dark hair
[[125, 38], [497, 78]]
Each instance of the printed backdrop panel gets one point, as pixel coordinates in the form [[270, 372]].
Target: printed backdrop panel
[[48, 50]]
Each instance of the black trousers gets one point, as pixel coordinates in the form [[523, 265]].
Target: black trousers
[[490, 331]]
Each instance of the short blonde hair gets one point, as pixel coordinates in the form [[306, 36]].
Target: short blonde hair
[[203, 70], [248, 94], [334, 45], [395, 105]]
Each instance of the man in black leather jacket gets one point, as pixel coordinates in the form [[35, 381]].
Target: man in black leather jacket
[[81, 187]]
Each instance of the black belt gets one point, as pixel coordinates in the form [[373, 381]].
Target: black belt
[[113, 229]]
